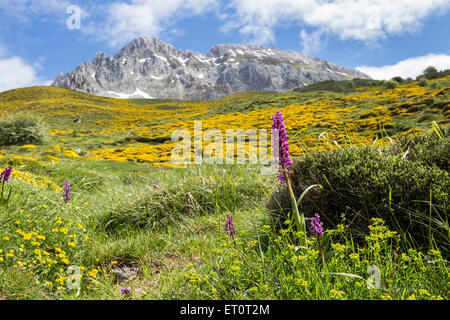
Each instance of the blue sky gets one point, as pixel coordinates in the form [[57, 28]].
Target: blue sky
[[380, 37]]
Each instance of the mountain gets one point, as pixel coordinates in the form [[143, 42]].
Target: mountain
[[151, 68]]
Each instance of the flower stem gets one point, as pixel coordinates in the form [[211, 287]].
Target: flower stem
[[299, 218], [321, 253]]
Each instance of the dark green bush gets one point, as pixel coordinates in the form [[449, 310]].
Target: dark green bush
[[430, 69], [364, 183], [422, 82], [391, 84], [398, 79], [159, 208], [428, 149], [194, 196], [20, 129]]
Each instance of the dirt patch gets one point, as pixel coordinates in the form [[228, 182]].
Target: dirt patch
[[124, 271]]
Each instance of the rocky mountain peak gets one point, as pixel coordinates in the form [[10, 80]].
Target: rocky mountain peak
[[152, 68], [144, 47]]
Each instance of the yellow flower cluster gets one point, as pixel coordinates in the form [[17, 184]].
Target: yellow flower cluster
[[44, 248]]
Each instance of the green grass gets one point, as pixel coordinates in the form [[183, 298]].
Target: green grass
[[174, 258]]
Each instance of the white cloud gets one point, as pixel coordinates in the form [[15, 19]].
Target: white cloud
[[312, 42], [126, 21], [23, 10], [366, 20], [411, 67], [16, 73]]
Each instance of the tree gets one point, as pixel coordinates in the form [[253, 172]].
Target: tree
[[430, 69], [398, 79]]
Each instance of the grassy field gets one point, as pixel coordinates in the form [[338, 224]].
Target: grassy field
[[136, 221]]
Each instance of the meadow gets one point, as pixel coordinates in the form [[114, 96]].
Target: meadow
[[136, 226]]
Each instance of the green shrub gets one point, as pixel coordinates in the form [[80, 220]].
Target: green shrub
[[398, 79], [158, 209], [427, 149], [391, 84], [430, 69], [191, 196], [20, 129], [364, 183], [437, 74], [422, 82]]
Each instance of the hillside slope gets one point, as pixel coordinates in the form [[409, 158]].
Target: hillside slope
[[100, 128]]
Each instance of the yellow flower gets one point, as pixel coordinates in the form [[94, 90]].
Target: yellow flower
[[5, 238], [354, 256], [27, 236], [337, 294], [424, 292], [93, 273], [71, 244]]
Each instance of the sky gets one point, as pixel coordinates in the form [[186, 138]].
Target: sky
[[383, 38]]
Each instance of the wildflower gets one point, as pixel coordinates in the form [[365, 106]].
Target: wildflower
[[317, 231], [283, 147], [316, 226], [66, 195], [6, 173], [229, 227], [125, 290], [285, 161]]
